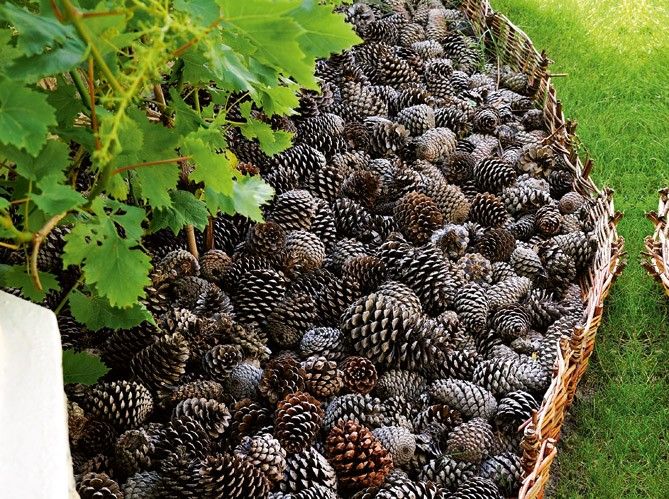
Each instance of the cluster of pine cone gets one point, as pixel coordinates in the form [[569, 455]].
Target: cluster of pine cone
[[388, 328]]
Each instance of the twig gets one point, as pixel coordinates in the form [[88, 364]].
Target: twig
[[75, 16], [9, 246], [190, 238], [38, 237], [160, 96], [91, 91], [209, 235], [56, 10], [86, 15], [66, 298], [182, 50], [150, 163]]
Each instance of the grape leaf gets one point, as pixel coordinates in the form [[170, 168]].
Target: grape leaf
[[211, 168], [36, 32], [185, 209], [82, 367], [4, 203], [204, 12], [65, 100], [51, 160], [278, 100], [58, 60], [16, 276], [25, 117], [249, 194], [325, 32], [118, 272], [271, 34], [96, 313], [56, 197]]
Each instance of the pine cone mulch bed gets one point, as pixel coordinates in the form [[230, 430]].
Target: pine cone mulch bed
[[393, 322]]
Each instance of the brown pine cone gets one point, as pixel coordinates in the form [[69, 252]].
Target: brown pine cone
[[133, 450], [213, 264], [322, 379], [418, 216], [358, 374], [280, 377], [497, 245], [194, 389], [212, 415], [265, 239], [162, 363], [123, 404], [297, 420], [265, 452], [233, 478], [219, 362], [357, 456], [249, 417], [98, 486]]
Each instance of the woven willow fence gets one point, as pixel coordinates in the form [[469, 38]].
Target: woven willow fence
[[513, 47], [657, 246]]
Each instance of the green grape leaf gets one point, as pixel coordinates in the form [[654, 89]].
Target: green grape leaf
[[25, 117], [185, 209], [325, 32], [211, 168], [59, 60], [4, 203], [55, 196], [186, 119], [278, 100], [36, 32], [96, 313], [53, 159], [271, 141], [272, 35], [65, 100], [117, 271], [205, 12], [110, 263], [249, 194], [82, 367], [8, 52], [16, 276]]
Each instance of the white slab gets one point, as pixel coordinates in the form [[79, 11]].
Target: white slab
[[34, 450]]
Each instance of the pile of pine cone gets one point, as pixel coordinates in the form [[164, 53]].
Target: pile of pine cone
[[388, 328]]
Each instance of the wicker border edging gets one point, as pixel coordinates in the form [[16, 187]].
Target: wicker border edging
[[656, 256], [539, 444]]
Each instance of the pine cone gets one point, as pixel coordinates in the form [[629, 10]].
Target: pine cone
[[515, 408], [142, 485], [447, 472], [368, 271], [244, 381], [280, 377], [497, 244], [265, 239], [364, 409], [213, 416], [418, 216], [435, 144], [477, 487], [357, 456], [219, 362], [323, 341], [122, 404], [362, 186], [162, 363], [265, 452], [98, 486], [258, 291], [249, 418], [304, 251], [293, 210], [358, 374], [471, 441], [385, 136], [492, 175], [297, 421], [322, 379], [232, 477], [548, 220], [417, 119], [213, 264], [400, 383], [195, 389], [183, 432], [488, 210], [306, 470], [399, 442], [471, 305], [132, 452], [471, 400]]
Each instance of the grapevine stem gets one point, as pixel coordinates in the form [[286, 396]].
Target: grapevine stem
[[182, 50], [76, 18], [79, 85], [150, 163], [38, 237], [91, 91], [190, 237], [9, 246], [66, 298]]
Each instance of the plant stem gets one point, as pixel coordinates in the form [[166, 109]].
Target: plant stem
[[76, 17], [38, 237], [196, 98], [190, 238], [91, 91], [150, 163], [79, 85], [66, 298], [9, 246]]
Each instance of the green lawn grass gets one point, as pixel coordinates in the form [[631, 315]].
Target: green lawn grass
[[616, 55]]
